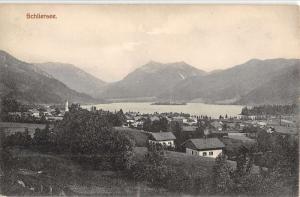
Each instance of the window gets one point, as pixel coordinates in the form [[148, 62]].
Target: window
[[211, 153], [192, 152], [204, 153]]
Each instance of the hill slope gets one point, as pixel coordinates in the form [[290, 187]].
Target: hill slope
[[232, 84], [28, 83], [281, 89], [151, 80], [73, 77]]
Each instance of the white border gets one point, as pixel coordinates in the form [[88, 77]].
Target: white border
[[257, 2]]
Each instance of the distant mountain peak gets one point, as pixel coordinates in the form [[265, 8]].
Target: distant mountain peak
[[74, 77], [253, 60], [26, 82], [3, 53], [151, 62], [151, 79], [4, 56], [154, 66], [179, 63]]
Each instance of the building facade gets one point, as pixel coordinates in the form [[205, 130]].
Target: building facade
[[204, 147]]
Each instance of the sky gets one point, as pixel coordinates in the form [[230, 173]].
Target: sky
[[109, 41]]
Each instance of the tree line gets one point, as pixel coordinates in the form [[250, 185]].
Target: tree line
[[270, 110], [83, 132]]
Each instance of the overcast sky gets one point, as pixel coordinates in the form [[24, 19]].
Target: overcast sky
[[109, 41]]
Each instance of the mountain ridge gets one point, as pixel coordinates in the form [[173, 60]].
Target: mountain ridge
[[150, 80], [74, 77], [269, 81], [232, 83], [27, 83]]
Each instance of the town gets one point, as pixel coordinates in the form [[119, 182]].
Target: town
[[162, 99], [251, 139]]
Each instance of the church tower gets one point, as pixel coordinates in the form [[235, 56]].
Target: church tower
[[67, 106]]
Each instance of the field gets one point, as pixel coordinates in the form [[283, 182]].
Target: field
[[140, 137], [13, 127], [201, 165], [233, 145], [46, 174]]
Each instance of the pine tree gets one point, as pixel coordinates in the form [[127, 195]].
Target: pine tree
[[222, 181]]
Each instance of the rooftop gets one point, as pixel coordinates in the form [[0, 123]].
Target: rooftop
[[161, 136], [204, 143]]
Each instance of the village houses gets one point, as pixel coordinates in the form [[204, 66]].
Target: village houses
[[162, 138], [204, 147]]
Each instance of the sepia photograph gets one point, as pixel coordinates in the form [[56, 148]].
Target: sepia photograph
[[149, 99]]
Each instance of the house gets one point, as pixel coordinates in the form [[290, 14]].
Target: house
[[231, 125], [138, 124], [283, 130], [178, 119], [16, 114], [189, 128], [35, 113], [218, 126], [287, 123], [154, 118], [163, 138], [241, 136], [205, 147], [262, 124], [192, 121], [54, 118], [248, 117]]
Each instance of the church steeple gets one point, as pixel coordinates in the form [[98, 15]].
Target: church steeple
[[67, 106]]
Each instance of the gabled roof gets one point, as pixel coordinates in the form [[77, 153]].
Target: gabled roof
[[161, 136], [204, 143], [189, 128], [216, 124]]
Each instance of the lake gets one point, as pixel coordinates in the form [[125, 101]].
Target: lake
[[198, 109]]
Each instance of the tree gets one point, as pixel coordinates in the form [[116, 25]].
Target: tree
[[224, 126], [222, 171], [244, 161], [85, 132], [10, 105], [57, 111], [42, 136], [159, 125], [122, 150], [116, 119], [147, 124], [163, 124], [264, 141], [153, 169], [18, 139]]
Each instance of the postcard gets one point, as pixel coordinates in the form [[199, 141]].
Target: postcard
[[149, 99]]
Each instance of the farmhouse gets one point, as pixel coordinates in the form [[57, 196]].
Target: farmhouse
[[206, 147], [163, 138], [217, 125]]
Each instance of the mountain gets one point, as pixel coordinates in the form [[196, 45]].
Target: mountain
[[151, 80], [281, 89], [28, 83], [231, 85], [73, 77]]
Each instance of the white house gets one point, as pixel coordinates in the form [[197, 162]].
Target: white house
[[217, 125], [35, 113], [204, 147], [163, 138]]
